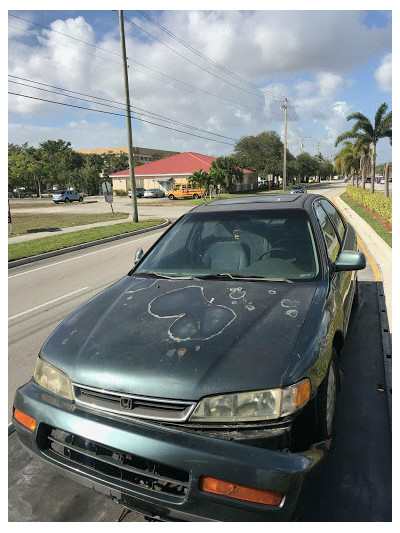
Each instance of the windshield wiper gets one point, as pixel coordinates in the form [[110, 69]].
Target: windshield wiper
[[240, 276], [159, 275]]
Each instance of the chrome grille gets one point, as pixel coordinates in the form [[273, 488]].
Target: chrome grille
[[114, 464], [130, 405]]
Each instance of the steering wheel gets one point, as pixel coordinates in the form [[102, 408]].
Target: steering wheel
[[286, 252]]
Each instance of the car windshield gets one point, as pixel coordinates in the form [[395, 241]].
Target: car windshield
[[261, 244]]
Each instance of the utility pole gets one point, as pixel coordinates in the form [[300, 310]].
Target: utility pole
[[284, 108], [128, 118]]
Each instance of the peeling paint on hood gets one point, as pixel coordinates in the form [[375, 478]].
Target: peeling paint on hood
[[182, 339]]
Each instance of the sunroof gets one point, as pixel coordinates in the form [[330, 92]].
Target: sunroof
[[281, 198]]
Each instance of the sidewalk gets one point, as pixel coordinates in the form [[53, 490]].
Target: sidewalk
[[60, 231], [376, 246]]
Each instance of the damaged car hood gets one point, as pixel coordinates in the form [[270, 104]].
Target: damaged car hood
[[182, 339]]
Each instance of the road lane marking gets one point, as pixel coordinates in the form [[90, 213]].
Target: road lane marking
[[47, 303], [374, 266], [84, 255]]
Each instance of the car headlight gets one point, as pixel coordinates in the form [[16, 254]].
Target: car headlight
[[252, 406], [52, 379]]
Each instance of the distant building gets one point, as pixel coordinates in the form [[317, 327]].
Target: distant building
[[143, 154], [165, 173]]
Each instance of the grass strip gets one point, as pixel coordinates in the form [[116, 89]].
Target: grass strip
[[373, 222], [20, 250], [28, 223]]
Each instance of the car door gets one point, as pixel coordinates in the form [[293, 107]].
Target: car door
[[334, 231]]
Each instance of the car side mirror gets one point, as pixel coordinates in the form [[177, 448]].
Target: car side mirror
[[138, 255], [349, 260]]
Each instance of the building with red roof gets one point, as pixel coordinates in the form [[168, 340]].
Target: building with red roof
[[176, 169]]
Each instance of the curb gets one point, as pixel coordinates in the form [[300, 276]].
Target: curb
[[39, 257]]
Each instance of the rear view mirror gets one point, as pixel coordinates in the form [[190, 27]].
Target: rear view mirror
[[138, 255], [349, 260]]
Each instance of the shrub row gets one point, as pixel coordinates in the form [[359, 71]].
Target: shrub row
[[119, 192], [375, 202]]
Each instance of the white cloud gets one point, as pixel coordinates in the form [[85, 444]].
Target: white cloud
[[383, 74], [251, 44]]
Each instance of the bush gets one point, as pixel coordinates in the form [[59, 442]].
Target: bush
[[120, 192], [375, 202]]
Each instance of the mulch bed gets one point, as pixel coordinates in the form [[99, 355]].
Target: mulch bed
[[381, 221]]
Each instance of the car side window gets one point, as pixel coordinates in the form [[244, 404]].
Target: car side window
[[331, 240], [335, 217]]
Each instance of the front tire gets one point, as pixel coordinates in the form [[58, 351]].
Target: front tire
[[171, 197], [326, 400], [81, 199], [196, 196], [67, 200]]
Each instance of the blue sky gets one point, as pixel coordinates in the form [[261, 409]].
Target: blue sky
[[330, 64]]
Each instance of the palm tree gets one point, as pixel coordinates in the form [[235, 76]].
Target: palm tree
[[364, 153], [363, 129], [347, 160]]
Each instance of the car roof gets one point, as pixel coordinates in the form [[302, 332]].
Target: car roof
[[260, 202]]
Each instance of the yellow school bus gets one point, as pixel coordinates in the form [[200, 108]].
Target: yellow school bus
[[185, 190]]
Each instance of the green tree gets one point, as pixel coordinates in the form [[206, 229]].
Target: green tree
[[263, 153], [226, 173], [307, 166], [114, 162], [202, 180], [18, 173], [347, 160], [364, 153], [90, 173], [325, 169], [158, 155], [61, 164], [371, 134]]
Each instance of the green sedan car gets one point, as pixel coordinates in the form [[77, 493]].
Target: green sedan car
[[203, 384]]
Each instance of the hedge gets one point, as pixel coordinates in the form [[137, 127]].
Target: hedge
[[120, 192], [375, 202]]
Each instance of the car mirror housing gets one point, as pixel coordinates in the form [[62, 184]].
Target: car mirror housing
[[350, 260], [138, 255]]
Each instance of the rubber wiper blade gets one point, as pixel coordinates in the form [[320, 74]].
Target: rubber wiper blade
[[159, 275], [240, 276]]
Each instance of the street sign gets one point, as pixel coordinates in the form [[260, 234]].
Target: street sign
[[107, 191]]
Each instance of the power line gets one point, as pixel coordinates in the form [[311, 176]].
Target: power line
[[132, 61], [118, 114], [210, 61], [194, 63], [147, 113], [64, 44], [65, 35]]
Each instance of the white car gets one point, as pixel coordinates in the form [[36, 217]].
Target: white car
[[154, 193], [66, 197]]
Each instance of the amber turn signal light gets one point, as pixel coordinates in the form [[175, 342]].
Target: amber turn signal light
[[240, 492], [24, 419], [303, 392]]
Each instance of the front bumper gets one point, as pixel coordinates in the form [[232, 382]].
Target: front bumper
[[196, 454]]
